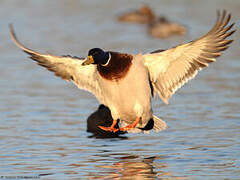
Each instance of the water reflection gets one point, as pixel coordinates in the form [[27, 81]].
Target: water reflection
[[127, 167]]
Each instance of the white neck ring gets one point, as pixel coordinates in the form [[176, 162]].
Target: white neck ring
[[106, 64]]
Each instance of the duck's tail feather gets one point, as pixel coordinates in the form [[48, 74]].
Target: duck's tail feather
[[159, 124]]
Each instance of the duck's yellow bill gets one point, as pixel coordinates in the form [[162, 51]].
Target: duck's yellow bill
[[88, 60]]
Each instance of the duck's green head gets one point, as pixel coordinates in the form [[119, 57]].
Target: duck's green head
[[97, 56]]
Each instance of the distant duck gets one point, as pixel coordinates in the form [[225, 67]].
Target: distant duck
[[159, 27], [102, 117], [163, 28], [144, 15]]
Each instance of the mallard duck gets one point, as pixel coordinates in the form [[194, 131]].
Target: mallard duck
[[126, 82], [144, 15], [163, 28]]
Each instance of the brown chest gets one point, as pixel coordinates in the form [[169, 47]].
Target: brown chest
[[117, 67]]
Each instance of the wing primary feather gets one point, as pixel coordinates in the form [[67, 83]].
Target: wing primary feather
[[20, 45], [223, 43], [224, 36]]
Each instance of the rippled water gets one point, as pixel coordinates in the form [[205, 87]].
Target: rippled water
[[43, 119]]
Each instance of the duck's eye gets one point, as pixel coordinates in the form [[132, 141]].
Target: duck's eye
[[95, 53]]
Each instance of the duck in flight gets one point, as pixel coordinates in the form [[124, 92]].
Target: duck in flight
[[126, 82]]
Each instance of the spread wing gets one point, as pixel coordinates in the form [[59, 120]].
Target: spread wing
[[67, 67], [171, 69]]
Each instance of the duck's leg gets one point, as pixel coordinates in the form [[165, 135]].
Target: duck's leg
[[111, 128], [131, 126]]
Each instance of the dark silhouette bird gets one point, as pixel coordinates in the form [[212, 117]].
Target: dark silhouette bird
[[102, 117]]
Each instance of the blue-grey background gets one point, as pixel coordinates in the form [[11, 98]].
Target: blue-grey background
[[43, 118]]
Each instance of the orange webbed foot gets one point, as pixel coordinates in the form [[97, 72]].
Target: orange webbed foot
[[131, 126], [111, 129]]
